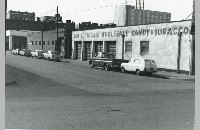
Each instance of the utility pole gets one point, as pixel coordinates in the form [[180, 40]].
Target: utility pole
[[192, 61], [42, 33], [123, 36], [57, 29], [179, 52]]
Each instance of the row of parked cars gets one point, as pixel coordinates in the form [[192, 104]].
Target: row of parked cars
[[139, 65], [49, 55]]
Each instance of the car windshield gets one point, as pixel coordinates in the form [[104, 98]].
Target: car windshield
[[150, 62]]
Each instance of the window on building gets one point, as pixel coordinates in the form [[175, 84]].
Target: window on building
[[35, 42], [32, 42], [52, 42], [39, 42], [144, 48], [128, 46], [43, 42], [48, 42]]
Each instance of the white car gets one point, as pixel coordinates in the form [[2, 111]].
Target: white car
[[52, 55], [37, 54], [15, 51], [22, 52], [140, 65]]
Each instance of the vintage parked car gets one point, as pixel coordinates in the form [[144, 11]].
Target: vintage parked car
[[27, 53], [140, 65], [22, 52], [15, 51], [106, 60], [52, 55], [37, 54]]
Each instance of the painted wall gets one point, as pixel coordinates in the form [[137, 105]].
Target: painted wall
[[163, 41], [48, 36]]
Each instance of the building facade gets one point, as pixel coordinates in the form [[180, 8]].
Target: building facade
[[20, 15], [34, 40], [127, 15], [16, 39], [157, 41]]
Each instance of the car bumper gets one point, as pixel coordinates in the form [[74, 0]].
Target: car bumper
[[115, 66]]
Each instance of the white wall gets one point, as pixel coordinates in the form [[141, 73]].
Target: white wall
[[163, 47]]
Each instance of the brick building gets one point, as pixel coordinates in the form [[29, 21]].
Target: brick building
[[34, 39], [20, 15], [127, 15], [49, 38]]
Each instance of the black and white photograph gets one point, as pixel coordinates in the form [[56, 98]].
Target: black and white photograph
[[100, 64]]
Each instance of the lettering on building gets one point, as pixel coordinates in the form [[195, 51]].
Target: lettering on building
[[136, 32]]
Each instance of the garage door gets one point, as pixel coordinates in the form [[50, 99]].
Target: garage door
[[87, 50], [78, 50], [111, 47], [98, 47]]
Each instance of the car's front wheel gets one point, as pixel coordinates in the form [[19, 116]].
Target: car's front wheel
[[107, 68], [138, 72], [122, 69]]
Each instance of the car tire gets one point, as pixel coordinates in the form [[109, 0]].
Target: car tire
[[92, 65], [49, 59], [138, 72], [122, 69], [107, 68]]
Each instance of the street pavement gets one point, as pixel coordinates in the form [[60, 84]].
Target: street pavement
[[44, 94]]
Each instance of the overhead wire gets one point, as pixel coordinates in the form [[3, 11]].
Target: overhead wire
[[76, 11], [188, 16], [106, 6]]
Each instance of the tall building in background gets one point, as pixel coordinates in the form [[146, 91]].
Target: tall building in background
[[20, 15], [127, 15]]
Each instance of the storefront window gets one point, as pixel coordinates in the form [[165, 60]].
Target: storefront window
[[144, 48], [128, 47]]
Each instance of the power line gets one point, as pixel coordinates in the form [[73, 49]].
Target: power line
[[47, 12], [91, 9], [188, 16], [106, 6]]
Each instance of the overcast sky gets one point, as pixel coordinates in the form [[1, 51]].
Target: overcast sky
[[84, 10]]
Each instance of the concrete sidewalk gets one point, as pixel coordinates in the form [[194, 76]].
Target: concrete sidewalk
[[164, 74]]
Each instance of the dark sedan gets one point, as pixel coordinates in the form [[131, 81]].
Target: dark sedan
[[27, 53]]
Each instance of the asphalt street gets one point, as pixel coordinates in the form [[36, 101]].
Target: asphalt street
[[68, 95]]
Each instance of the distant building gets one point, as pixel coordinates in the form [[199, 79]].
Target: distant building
[[108, 25], [34, 39], [16, 39], [50, 18], [127, 15], [49, 38], [20, 15], [89, 25], [46, 18]]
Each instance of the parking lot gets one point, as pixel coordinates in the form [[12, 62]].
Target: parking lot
[[67, 94]]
